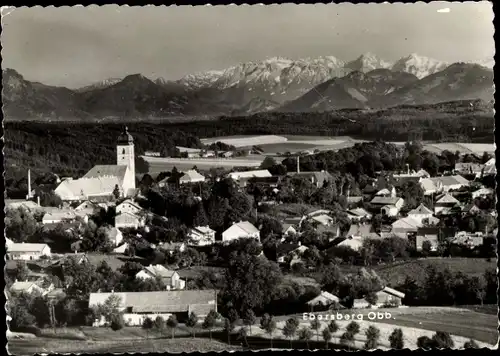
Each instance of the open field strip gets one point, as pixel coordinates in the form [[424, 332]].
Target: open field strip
[[242, 141], [410, 331], [159, 164]]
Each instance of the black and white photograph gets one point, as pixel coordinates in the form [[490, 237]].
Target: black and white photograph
[[249, 177]]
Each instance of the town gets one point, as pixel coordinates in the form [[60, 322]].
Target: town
[[243, 251]]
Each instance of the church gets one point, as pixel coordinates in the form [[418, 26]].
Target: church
[[103, 180]]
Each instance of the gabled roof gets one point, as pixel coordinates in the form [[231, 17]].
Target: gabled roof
[[284, 249], [446, 199], [26, 247], [324, 297], [250, 174], [322, 219], [394, 292], [88, 187], [484, 191], [384, 191], [192, 175], [421, 209], [354, 199], [358, 212], [60, 215], [107, 171], [22, 286], [385, 200], [245, 226], [203, 229], [406, 223], [159, 271], [363, 230], [160, 301]]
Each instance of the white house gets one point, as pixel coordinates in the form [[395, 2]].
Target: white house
[[404, 226], [483, 192], [243, 229], [443, 184], [115, 236], [171, 279], [137, 306], [128, 206], [358, 214], [250, 174], [191, 176], [27, 251], [322, 219], [445, 202], [201, 236], [121, 249], [62, 216], [128, 220], [420, 213], [324, 299], [29, 287]]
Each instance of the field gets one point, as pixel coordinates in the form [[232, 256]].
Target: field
[[161, 164], [396, 273]]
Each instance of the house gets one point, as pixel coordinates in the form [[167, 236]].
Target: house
[[29, 287], [468, 168], [288, 229], [60, 216], [319, 179], [27, 251], [128, 206], [420, 213], [386, 192], [353, 242], [470, 209], [431, 234], [137, 306], [444, 202], [87, 207], [284, 250], [401, 178], [323, 300], [128, 220], [443, 184], [8, 242], [114, 235], [362, 231], [385, 297], [469, 240], [322, 219], [389, 206], [191, 176], [352, 201], [243, 229], [172, 247], [482, 193], [171, 279], [249, 174], [201, 236], [405, 226], [121, 249], [358, 214], [265, 182]]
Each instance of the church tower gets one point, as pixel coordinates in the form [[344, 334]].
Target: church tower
[[125, 157]]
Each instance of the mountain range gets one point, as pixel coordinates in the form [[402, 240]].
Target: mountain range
[[274, 84]]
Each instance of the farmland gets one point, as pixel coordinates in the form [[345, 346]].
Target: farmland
[[395, 274], [160, 164]]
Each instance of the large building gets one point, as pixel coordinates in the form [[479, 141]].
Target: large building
[[103, 180]]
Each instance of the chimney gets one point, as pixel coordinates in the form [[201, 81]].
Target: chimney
[[298, 164], [29, 185], [38, 200], [348, 191], [408, 168]]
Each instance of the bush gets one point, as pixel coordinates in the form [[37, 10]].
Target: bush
[[396, 339], [443, 340], [425, 342], [117, 322], [471, 344], [147, 323], [29, 330], [353, 328]]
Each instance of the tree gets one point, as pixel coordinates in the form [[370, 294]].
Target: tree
[[290, 329], [270, 328], [116, 192], [327, 336], [147, 325], [396, 339], [191, 322], [159, 323], [117, 322], [21, 271], [264, 320], [200, 217], [471, 344], [242, 334], [228, 329], [477, 285], [305, 334], [347, 339], [209, 321], [316, 325], [425, 342], [372, 337], [267, 163], [371, 298], [249, 319], [18, 310], [172, 324], [443, 340], [333, 327], [353, 328], [426, 248]]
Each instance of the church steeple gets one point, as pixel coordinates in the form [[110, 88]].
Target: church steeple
[[125, 156]]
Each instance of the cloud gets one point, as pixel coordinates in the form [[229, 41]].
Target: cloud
[[445, 10]]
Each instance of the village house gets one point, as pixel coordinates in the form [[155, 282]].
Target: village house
[[482, 193], [137, 306], [288, 229], [201, 236], [121, 249], [30, 287], [389, 206], [432, 234], [87, 207], [27, 251], [358, 214], [322, 219], [403, 227], [468, 168], [128, 206], [172, 247], [443, 184], [190, 177], [470, 209], [114, 236], [236, 176], [324, 301], [386, 192], [283, 250], [171, 279], [353, 242], [242, 229], [189, 152], [467, 239], [362, 231], [61, 216], [385, 297], [421, 213], [353, 201], [444, 203], [267, 182], [128, 220], [318, 179]]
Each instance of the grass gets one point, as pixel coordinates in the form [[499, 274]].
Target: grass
[[304, 281], [395, 274]]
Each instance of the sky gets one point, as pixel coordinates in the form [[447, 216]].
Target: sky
[[77, 46]]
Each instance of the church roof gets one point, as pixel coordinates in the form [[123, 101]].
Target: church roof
[[100, 171], [88, 187], [125, 138]]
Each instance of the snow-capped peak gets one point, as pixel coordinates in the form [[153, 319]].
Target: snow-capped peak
[[367, 62], [418, 65], [101, 84]]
